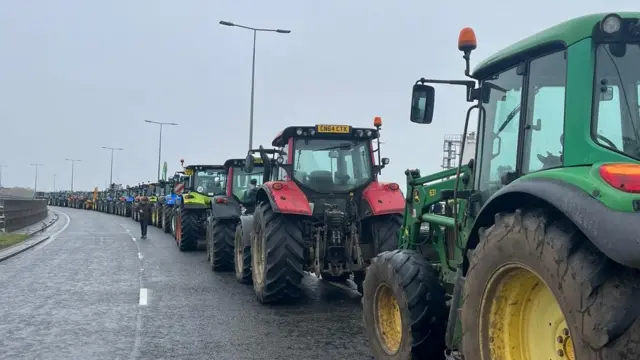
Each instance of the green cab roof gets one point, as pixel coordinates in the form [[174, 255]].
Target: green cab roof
[[568, 32]]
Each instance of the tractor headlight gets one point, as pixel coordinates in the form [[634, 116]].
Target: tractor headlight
[[299, 132], [611, 24], [312, 132], [368, 133], [359, 133]]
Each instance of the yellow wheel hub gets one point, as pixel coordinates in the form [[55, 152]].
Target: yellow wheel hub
[[521, 318], [388, 319]]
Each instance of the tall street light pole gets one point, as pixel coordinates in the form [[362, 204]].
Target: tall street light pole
[[253, 67], [1, 166], [160, 142], [111, 173], [35, 186], [73, 163]]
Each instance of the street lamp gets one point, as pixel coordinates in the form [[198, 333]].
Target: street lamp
[[35, 186], [73, 162], [253, 67], [1, 166], [111, 173], [160, 142]]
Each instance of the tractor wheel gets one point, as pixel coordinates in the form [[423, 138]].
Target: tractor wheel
[[386, 232], [159, 217], [222, 244], [339, 279], [166, 220], [277, 248], [242, 256], [537, 288], [404, 306], [187, 230]]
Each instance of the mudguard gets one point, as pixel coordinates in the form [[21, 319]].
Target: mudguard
[[288, 199], [382, 199], [228, 210], [246, 224], [614, 233]]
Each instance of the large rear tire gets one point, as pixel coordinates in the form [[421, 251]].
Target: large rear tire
[[187, 227], [222, 243], [277, 250], [563, 298], [404, 307], [386, 232], [166, 219], [242, 260]]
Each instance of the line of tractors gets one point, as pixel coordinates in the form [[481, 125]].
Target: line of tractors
[[529, 251]]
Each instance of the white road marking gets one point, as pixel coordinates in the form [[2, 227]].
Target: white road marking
[[53, 236], [143, 297], [134, 239], [140, 256]]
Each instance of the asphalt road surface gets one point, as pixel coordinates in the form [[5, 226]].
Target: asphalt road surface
[[94, 290]]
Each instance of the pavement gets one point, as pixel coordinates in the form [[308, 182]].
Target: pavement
[[94, 290], [36, 233]]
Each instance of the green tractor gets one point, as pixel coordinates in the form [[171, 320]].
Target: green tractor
[[528, 251], [190, 212]]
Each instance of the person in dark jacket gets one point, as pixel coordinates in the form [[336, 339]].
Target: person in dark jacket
[[144, 209]]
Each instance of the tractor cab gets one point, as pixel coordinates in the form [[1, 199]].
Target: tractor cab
[[246, 175], [333, 165], [153, 193], [206, 180]]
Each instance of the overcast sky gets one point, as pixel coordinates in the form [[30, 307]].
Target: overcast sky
[[76, 75]]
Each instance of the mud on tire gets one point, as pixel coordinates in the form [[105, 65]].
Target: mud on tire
[[597, 296], [421, 300], [277, 256]]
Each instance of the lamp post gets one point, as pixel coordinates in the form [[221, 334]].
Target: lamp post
[[35, 186], [111, 172], [73, 162], [253, 67], [1, 166], [160, 142]]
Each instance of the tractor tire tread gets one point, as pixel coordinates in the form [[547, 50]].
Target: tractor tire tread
[[223, 243]]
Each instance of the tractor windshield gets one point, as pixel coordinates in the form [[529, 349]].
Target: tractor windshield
[[209, 182], [326, 165], [243, 181], [616, 98]]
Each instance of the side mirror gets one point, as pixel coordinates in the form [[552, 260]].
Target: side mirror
[[249, 163], [385, 161], [422, 103]]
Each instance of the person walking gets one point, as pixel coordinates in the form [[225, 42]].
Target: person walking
[[144, 209]]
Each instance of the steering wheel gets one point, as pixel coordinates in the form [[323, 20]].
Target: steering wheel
[[607, 141]]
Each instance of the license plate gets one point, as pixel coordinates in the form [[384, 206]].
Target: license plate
[[334, 129]]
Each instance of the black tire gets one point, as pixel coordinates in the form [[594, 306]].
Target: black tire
[[242, 260], [188, 230], [598, 297], [385, 231], [277, 258], [421, 300], [166, 220], [222, 243], [160, 215], [339, 279]]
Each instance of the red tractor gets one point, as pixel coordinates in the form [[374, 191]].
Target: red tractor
[[329, 215]]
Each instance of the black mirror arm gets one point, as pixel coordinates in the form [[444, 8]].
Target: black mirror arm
[[472, 92]]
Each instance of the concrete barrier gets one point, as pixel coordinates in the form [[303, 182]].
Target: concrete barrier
[[17, 213]]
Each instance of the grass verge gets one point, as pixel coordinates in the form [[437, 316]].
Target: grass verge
[[7, 240]]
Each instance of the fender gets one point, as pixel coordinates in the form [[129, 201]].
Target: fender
[[614, 233], [285, 198], [246, 225], [221, 209], [383, 199]]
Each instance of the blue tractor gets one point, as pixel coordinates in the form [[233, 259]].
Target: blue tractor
[[173, 191]]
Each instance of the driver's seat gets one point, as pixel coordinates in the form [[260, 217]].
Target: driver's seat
[[320, 178]]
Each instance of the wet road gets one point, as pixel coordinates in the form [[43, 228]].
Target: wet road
[[93, 292]]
